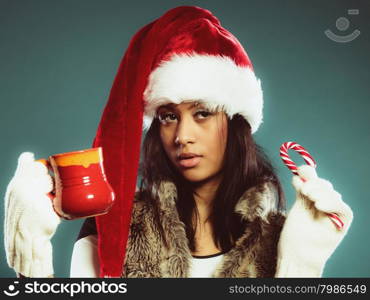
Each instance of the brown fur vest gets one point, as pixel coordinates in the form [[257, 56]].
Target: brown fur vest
[[253, 255]]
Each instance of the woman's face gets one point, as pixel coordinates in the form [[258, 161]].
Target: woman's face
[[194, 139]]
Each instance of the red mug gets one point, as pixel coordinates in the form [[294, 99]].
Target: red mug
[[81, 188]]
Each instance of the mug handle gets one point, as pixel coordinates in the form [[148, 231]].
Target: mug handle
[[51, 195]]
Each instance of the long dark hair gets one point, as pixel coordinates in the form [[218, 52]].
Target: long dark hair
[[245, 166]]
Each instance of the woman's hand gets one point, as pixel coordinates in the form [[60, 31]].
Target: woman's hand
[[30, 220], [309, 237]]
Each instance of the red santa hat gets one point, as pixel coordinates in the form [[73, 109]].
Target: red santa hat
[[184, 55]]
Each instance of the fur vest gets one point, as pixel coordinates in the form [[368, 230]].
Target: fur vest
[[253, 255]]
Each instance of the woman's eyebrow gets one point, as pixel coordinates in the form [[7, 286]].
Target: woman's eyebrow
[[173, 106]]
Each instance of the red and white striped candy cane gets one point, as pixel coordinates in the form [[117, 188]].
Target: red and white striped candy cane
[[311, 162]]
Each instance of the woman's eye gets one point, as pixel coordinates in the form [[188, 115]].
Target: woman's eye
[[167, 117], [203, 114]]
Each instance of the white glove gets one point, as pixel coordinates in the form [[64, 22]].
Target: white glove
[[30, 220], [309, 237]]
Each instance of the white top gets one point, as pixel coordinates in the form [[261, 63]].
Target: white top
[[204, 266], [85, 261]]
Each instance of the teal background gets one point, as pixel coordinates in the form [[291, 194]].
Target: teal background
[[58, 60]]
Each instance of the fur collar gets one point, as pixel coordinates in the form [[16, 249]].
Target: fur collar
[[258, 201]]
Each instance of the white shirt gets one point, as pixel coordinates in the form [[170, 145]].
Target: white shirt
[[204, 266], [85, 260]]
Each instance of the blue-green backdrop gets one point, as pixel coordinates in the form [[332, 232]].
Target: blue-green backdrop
[[58, 60]]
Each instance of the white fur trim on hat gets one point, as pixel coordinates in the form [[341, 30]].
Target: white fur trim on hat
[[214, 80]]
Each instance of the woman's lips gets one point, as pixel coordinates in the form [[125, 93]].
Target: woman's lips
[[190, 162]]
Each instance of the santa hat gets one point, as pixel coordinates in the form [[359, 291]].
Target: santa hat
[[183, 55]]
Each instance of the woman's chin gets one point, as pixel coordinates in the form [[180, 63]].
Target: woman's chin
[[196, 176], [193, 175]]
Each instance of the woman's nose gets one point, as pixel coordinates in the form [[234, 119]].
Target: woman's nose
[[184, 133]]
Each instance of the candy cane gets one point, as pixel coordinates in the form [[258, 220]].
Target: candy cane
[[311, 162]]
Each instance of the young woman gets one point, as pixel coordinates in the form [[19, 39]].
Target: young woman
[[211, 164], [209, 203]]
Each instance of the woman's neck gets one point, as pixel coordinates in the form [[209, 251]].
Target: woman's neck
[[204, 196]]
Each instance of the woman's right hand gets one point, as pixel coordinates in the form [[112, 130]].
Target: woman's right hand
[[30, 220]]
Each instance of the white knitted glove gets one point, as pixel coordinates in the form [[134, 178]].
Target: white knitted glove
[[309, 237], [30, 220]]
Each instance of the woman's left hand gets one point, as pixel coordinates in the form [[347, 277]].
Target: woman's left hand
[[309, 237]]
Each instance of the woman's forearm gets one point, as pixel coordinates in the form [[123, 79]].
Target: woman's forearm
[[288, 267], [19, 275]]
